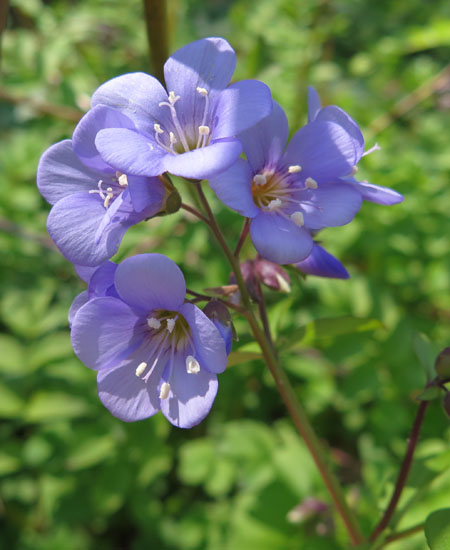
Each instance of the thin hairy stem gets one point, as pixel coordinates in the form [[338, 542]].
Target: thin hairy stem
[[242, 237], [264, 318], [287, 392], [404, 471], [404, 534]]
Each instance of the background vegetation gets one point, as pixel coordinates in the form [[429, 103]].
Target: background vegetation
[[74, 477]]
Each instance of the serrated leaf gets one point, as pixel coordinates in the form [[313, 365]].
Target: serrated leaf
[[437, 530]]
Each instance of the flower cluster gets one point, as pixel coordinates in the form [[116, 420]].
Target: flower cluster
[[153, 349]]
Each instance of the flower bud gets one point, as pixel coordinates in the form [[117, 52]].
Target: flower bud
[[442, 364], [272, 275]]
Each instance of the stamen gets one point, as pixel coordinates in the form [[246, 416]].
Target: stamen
[[311, 183], [158, 129], [170, 325], [152, 322], [141, 368], [164, 391], [123, 180], [192, 365], [354, 170], [99, 190], [283, 284], [202, 91], [259, 179], [171, 104], [173, 98], [172, 137], [273, 205], [298, 218], [109, 196], [203, 130], [294, 169]]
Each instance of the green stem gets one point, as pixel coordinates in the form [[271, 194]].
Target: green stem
[[287, 392], [157, 34], [242, 238]]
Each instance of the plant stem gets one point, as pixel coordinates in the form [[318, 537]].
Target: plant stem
[[404, 471], [157, 34], [265, 320], [286, 390], [243, 236], [404, 534], [195, 212]]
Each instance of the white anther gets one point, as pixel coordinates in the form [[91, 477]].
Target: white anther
[[311, 183], [109, 196], [354, 170], [164, 391], [294, 169], [141, 368], [173, 98], [170, 325], [298, 219], [192, 365], [123, 180], [202, 91], [259, 179], [158, 128], [203, 130], [152, 322], [172, 137], [273, 205]]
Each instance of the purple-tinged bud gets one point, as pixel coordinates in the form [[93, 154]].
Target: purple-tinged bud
[[248, 270], [442, 364], [272, 275], [220, 316]]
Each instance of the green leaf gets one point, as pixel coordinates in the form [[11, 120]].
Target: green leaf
[[238, 357], [434, 392], [437, 530], [426, 353], [11, 405], [196, 460], [8, 464], [47, 406], [91, 452]]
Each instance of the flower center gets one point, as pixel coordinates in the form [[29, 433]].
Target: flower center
[[280, 192], [177, 141], [110, 192], [169, 334]]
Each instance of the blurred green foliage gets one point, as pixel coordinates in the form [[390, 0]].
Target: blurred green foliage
[[74, 477]]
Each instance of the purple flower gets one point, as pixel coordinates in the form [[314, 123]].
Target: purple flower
[[152, 351], [287, 191], [369, 191], [93, 203], [323, 264], [190, 130]]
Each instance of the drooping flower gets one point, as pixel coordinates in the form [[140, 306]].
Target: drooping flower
[[189, 130], [332, 113], [152, 351], [287, 191], [93, 203], [322, 264]]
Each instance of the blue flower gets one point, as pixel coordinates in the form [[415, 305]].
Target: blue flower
[[369, 191], [152, 350], [322, 264], [286, 191], [189, 130], [93, 203]]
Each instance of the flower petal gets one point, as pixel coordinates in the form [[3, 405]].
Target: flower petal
[[130, 152], [204, 162], [78, 301], [207, 63], [61, 173], [264, 143], [323, 264], [331, 113], [102, 281], [191, 395], [73, 224], [314, 104], [280, 240], [209, 343], [330, 206], [233, 188], [145, 192], [150, 281], [377, 193], [136, 95], [83, 139], [323, 149], [241, 106], [127, 396], [105, 331]]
